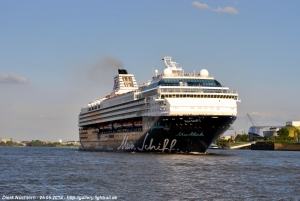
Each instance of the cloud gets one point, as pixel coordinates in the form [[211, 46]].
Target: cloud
[[42, 116], [281, 118], [260, 115], [12, 79], [200, 5], [203, 6], [228, 9]]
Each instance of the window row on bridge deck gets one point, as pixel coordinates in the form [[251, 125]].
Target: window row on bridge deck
[[197, 96]]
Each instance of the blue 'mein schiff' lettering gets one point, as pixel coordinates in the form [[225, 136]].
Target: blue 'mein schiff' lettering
[[190, 134], [151, 126]]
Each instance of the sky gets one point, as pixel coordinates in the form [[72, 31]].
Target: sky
[[57, 56]]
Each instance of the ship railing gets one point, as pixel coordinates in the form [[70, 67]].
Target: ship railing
[[181, 75], [123, 112], [173, 75], [144, 84], [196, 90], [162, 90]]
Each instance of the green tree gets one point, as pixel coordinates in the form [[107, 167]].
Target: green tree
[[242, 138], [283, 133], [10, 143], [222, 143], [2, 143], [56, 144], [35, 143], [297, 135]]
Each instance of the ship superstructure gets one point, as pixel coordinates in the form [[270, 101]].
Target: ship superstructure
[[174, 112]]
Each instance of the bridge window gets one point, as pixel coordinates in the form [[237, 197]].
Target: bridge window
[[188, 82]]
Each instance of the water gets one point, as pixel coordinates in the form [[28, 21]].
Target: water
[[220, 175]]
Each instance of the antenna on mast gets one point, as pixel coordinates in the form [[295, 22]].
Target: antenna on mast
[[152, 65], [171, 65]]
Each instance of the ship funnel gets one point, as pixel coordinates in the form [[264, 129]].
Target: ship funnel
[[122, 71], [124, 82]]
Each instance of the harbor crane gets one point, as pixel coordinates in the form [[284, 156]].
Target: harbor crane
[[252, 121]]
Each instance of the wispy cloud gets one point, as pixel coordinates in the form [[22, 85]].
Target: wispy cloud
[[260, 115], [203, 6], [228, 9], [200, 5], [42, 116], [12, 79]]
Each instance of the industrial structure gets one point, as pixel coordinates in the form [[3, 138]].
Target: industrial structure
[[260, 132]]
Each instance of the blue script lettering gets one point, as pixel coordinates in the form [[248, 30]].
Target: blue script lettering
[[190, 134], [152, 147], [151, 126], [125, 145]]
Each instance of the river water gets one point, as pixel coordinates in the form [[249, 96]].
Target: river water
[[44, 173]]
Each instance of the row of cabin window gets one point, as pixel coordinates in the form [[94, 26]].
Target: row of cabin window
[[196, 96], [98, 107], [94, 108]]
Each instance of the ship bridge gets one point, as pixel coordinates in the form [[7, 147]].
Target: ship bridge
[[183, 82]]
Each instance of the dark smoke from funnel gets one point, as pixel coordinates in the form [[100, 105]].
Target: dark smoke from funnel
[[93, 79], [107, 67]]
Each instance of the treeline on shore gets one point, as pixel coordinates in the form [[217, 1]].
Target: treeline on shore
[[239, 138], [282, 137], [36, 143]]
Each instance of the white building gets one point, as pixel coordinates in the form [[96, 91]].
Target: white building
[[5, 139], [259, 132], [293, 123]]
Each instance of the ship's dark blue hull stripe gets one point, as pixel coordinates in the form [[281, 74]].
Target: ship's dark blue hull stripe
[[181, 133], [177, 134]]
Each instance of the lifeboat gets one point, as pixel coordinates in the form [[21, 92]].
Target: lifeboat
[[117, 125], [138, 123], [107, 126], [127, 124]]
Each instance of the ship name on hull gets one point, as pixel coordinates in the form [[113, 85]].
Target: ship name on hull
[[193, 134], [166, 146], [191, 121], [151, 125]]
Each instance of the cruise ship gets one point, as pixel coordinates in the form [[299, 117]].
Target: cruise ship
[[174, 112]]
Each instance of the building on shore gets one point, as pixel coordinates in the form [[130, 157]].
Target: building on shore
[[226, 137], [5, 139], [292, 127], [261, 132]]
